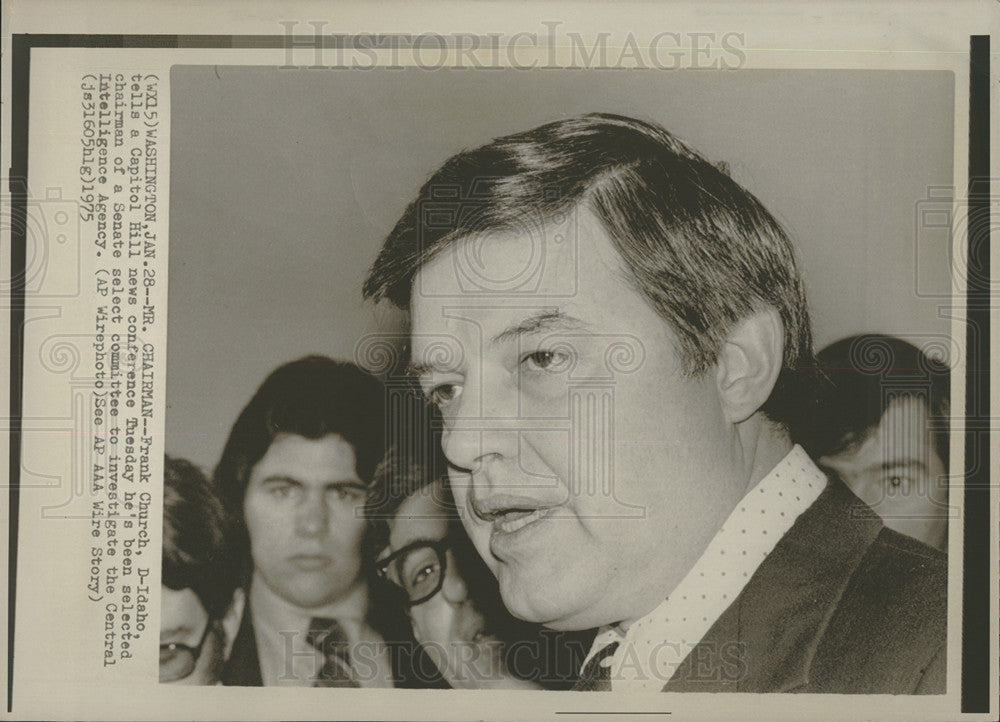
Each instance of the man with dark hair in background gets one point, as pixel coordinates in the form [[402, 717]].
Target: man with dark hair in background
[[198, 612], [616, 335], [881, 425], [293, 476]]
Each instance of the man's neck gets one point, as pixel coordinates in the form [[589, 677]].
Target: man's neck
[[764, 445], [761, 446]]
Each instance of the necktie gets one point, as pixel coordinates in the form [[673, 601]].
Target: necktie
[[328, 637], [596, 677]]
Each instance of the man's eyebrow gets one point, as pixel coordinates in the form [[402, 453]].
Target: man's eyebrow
[[902, 463], [542, 321], [416, 370], [280, 479], [346, 483]]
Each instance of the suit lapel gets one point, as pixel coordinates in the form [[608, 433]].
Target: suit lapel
[[766, 639]]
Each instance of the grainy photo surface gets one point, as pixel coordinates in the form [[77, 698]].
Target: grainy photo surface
[[608, 286], [465, 357]]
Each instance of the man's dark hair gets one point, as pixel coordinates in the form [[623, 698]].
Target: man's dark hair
[[311, 397], [703, 251], [195, 538], [861, 376]]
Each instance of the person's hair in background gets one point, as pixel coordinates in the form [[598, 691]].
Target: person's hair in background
[[459, 616], [309, 401], [312, 397], [703, 261], [881, 422], [199, 578]]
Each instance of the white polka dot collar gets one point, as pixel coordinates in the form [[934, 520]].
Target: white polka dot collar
[[653, 647]]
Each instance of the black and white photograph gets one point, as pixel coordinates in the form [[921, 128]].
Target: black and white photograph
[[576, 276], [465, 372]]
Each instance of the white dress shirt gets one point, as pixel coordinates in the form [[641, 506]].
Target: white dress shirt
[[283, 649], [652, 648]]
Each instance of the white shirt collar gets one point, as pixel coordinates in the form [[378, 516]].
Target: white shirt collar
[[652, 648]]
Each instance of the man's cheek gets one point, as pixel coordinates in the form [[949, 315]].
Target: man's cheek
[[544, 458], [349, 537], [432, 622]]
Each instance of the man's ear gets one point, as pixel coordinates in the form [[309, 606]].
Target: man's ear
[[749, 363]]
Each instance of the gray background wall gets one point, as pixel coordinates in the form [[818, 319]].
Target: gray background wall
[[284, 182]]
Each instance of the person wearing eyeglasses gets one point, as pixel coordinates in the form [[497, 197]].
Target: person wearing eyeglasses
[[451, 597], [199, 602]]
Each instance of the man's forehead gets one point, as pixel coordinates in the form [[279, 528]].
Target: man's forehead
[[181, 606], [421, 516], [546, 260], [509, 284], [902, 435], [905, 421], [498, 266]]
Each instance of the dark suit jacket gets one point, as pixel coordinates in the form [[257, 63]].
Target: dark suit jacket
[[411, 668], [841, 605]]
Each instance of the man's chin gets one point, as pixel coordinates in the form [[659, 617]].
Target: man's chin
[[310, 598], [562, 612], [534, 603]]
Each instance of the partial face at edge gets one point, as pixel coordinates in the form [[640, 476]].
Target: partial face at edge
[[592, 470], [183, 620], [898, 473]]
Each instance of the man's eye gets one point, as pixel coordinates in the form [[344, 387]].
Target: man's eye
[[547, 360], [169, 653], [349, 493], [280, 491], [897, 482], [444, 394], [423, 574]]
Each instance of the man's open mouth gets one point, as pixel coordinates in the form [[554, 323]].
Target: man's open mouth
[[512, 520]]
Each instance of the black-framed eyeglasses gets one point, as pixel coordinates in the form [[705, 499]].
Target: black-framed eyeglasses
[[178, 661], [418, 569]]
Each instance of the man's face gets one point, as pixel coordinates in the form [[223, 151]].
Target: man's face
[[300, 512], [183, 624], [594, 472], [452, 628], [898, 473]]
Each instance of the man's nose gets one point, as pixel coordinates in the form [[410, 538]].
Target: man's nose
[[471, 447], [453, 587], [312, 516], [484, 425]]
